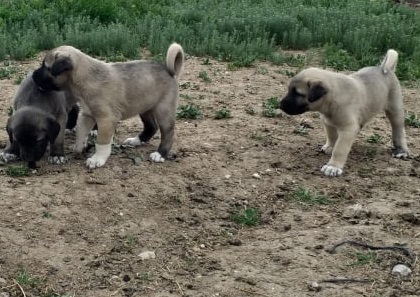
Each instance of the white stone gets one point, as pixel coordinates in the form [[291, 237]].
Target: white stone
[[402, 270], [147, 255]]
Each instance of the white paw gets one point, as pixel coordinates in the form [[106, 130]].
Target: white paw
[[401, 155], [57, 160], [156, 157], [101, 155], [329, 170], [69, 131], [8, 157], [93, 133], [133, 141], [327, 149]]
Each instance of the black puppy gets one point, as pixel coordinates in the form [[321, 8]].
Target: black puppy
[[39, 118]]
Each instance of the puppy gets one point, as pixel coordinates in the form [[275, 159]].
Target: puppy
[[346, 103], [111, 92], [39, 118]]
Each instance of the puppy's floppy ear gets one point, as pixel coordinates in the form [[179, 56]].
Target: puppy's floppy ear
[[317, 89], [53, 130], [61, 65]]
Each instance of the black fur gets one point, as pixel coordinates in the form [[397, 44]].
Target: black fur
[[38, 118], [316, 91]]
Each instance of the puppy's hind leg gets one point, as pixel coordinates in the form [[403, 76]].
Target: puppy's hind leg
[[332, 136], [150, 127], [166, 121], [396, 118]]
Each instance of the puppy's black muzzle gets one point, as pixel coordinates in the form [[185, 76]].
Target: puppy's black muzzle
[[292, 106]]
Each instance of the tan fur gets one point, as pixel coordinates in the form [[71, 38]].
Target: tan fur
[[347, 103], [110, 92]]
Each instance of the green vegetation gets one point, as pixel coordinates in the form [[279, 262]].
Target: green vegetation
[[223, 113], [375, 138], [270, 107], [17, 171], [308, 197], [188, 111], [348, 34], [364, 258], [247, 216], [204, 76], [412, 120]]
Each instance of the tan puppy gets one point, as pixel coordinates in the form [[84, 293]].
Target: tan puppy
[[110, 92], [346, 103]]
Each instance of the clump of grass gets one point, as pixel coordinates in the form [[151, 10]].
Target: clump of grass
[[305, 196], [189, 111], [46, 214], [8, 72], [366, 170], [223, 113], [412, 120], [23, 278], [247, 216], [364, 258], [375, 138], [17, 171], [270, 107], [301, 130], [9, 111], [204, 76]]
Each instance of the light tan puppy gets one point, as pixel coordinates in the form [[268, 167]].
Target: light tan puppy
[[346, 103], [110, 92]]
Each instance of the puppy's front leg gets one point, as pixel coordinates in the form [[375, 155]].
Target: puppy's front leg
[[106, 130], [57, 147], [332, 136], [85, 124], [340, 152]]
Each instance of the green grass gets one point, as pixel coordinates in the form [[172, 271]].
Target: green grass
[[204, 76], [346, 34], [308, 197], [23, 278], [364, 258], [270, 107], [247, 217], [223, 113], [412, 120], [301, 130], [17, 171], [189, 111], [375, 138]]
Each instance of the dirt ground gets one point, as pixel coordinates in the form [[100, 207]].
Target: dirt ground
[[70, 231]]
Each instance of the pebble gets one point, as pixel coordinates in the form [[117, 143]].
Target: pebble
[[256, 175], [402, 270], [147, 255], [2, 282], [314, 286]]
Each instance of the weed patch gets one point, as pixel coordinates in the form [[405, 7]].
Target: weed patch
[[189, 111], [305, 196], [247, 217]]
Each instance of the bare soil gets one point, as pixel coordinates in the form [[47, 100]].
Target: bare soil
[[80, 232]]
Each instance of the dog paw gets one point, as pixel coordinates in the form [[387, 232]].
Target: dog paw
[[400, 153], [57, 160], [7, 157], [133, 141], [327, 149], [156, 157], [69, 131], [93, 133], [95, 162], [329, 170]]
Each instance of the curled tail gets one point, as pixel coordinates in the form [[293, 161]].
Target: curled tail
[[389, 63], [175, 60]]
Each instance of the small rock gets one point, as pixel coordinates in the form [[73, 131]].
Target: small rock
[[256, 175], [402, 270], [2, 282], [314, 286], [147, 255], [227, 176], [235, 242], [4, 294]]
